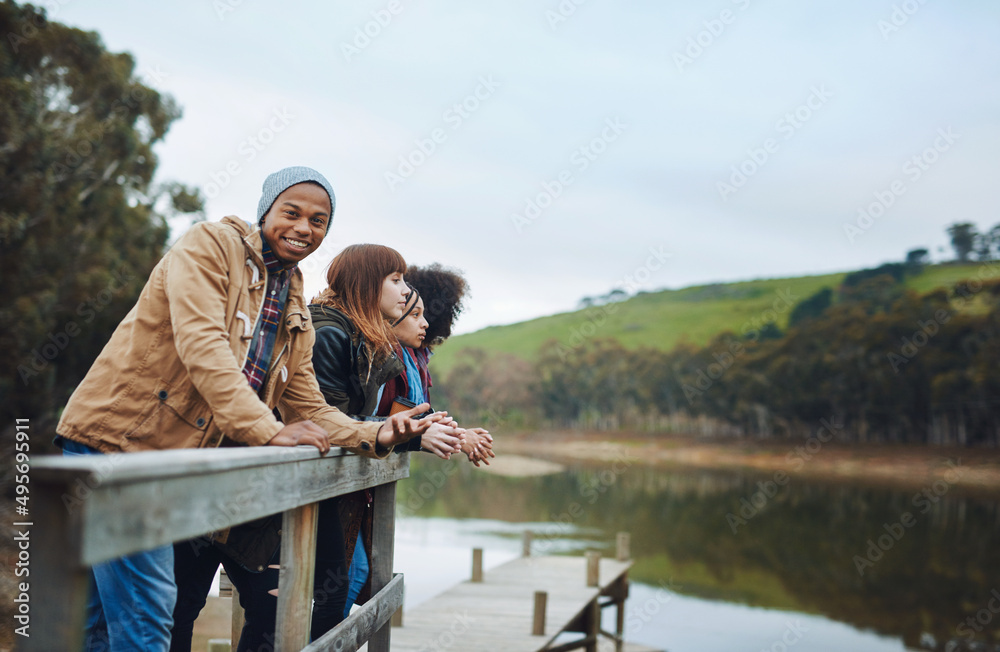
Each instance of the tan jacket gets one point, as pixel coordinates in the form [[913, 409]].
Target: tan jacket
[[171, 376]]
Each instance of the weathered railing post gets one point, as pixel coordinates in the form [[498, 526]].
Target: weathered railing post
[[58, 581], [593, 568], [538, 619], [227, 590], [295, 579], [383, 534], [622, 552], [477, 565]]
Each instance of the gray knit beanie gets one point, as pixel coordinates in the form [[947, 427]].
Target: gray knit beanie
[[280, 181]]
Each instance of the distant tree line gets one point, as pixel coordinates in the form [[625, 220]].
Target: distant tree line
[[969, 243], [878, 361], [966, 241]]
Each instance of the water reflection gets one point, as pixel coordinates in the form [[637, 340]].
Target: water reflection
[[895, 563]]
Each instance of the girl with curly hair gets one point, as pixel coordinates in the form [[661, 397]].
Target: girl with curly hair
[[431, 310]]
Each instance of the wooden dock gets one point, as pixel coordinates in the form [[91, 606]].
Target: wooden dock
[[550, 604], [499, 612]]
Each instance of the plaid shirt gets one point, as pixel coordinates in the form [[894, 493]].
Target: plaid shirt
[[266, 330]]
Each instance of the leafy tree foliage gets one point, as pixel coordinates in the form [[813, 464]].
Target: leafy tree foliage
[[896, 271], [916, 259], [770, 331], [963, 239], [876, 293], [987, 246], [488, 390], [811, 307], [80, 226]]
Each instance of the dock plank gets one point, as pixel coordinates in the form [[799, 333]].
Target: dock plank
[[497, 613]]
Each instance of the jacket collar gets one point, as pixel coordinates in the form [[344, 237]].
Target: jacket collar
[[393, 366]]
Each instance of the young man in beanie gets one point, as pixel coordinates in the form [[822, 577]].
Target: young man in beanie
[[219, 337]]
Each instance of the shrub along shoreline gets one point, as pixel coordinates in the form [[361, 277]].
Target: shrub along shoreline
[[891, 465]]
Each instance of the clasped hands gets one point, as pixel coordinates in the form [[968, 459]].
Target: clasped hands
[[440, 434]]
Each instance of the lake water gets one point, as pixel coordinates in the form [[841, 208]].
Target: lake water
[[723, 563]]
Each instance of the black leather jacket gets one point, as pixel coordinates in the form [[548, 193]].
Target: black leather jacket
[[342, 364]]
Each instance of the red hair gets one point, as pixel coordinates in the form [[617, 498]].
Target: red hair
[[354, 285]]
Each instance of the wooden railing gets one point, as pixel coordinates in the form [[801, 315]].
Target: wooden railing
[[88, 509]]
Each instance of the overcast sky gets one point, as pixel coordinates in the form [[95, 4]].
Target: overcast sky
[[556, 150]]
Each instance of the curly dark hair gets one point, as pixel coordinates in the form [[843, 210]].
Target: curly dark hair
[[442, 290]]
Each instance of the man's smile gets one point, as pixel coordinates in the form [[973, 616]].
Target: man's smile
[[298, 244]]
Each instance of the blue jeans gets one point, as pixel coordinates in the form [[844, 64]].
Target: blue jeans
[[357, 575], [131, 598]]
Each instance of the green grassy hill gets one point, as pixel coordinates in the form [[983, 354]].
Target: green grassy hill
[[662, 319]]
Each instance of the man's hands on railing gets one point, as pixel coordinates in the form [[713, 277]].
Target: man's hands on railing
[[441, 434], [302, 433], [438, 427]]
